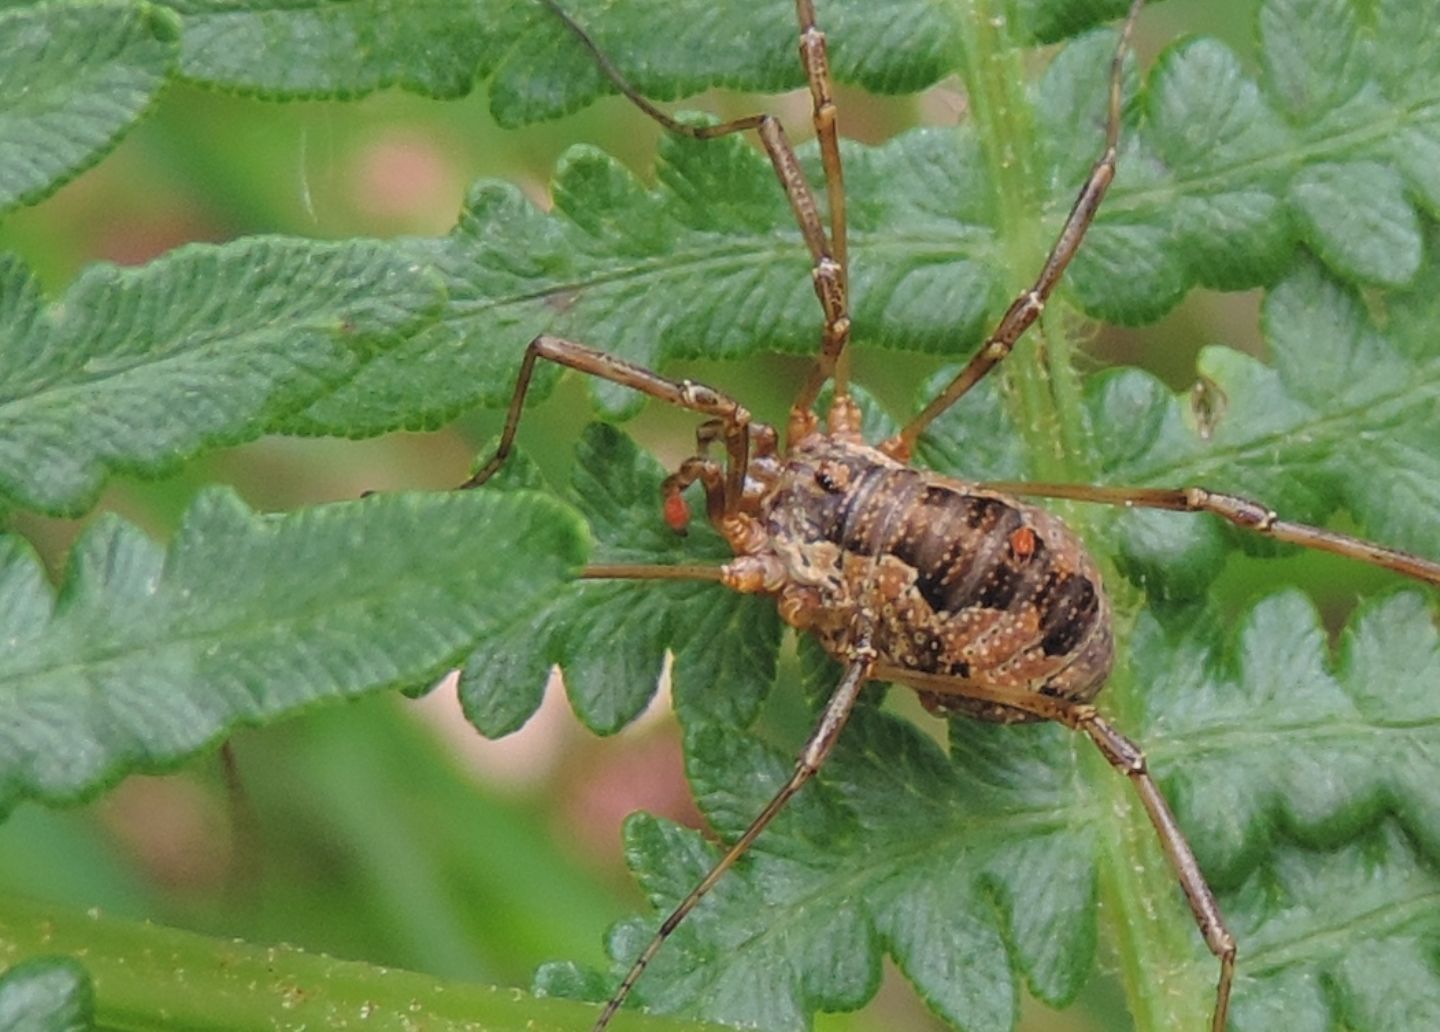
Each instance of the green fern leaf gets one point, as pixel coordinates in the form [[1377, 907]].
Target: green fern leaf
[[610, 637], [76, 78], [138, 369], [148, 655], [1304, 775]]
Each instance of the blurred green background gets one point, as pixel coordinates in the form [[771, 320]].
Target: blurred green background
[[388, 831]]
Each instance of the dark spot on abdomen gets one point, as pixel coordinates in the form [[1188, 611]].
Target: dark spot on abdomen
[[1069, 607], [969, 563]]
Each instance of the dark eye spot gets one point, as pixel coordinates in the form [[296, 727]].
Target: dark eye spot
[[832, 477]]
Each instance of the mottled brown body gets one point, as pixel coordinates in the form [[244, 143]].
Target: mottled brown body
[[949, 578]]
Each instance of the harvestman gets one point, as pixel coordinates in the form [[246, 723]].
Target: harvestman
[[984, 605]]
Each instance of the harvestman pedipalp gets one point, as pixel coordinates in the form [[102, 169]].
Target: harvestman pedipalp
[[986, 606]]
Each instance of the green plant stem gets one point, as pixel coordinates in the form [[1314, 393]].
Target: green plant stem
[[1043, 381], [1149, 928], [1006, 126], [152, 978]]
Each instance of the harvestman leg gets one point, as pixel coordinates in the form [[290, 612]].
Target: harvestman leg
[[833, 355], [815, 58], [653, 571], [1026, 308], [734, 418], [817, 748], [1128, 759], [828, 255], [1243, 513]]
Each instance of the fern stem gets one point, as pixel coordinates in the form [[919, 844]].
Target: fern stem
[[1005, 124], [153, 978], [1150, 931]]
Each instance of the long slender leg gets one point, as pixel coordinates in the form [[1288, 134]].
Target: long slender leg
[[817, 748], [689, 395], [652, 571], [1243, 513], [1026, 308], [686, 393], [1127, 758], [826, 254], [815, 57]]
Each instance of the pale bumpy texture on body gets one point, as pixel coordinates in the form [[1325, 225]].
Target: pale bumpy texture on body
[[956, 580]]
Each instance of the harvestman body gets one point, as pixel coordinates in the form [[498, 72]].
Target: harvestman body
[[986, 606]]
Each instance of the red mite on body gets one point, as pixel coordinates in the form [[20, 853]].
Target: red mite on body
[[986, 606]]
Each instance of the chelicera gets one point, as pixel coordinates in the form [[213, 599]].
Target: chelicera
[[988, 607]]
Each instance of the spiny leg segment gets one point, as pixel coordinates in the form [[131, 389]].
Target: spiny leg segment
[[1128, 759], [833, 359]]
